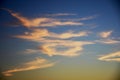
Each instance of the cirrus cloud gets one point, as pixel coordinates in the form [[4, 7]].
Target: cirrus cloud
[[107, 41], [40, 34], [43, 21], [64, 48], [31, 65], [53, 44], [115, 56]]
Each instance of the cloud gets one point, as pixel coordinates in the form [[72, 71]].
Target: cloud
[[35, 64], [55, 44], [71, 34], [35, 35], [88, 18], [108, 41], [41, 34], [105, 34], [44, 21], [60, 47], [30, 51], [82, 18], [64, 48], [52, 41], [115, 56], [59, 14]]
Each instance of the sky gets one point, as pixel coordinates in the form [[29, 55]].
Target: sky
[[60, 39]]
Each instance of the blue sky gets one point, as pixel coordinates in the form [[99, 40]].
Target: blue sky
[[59, 39]]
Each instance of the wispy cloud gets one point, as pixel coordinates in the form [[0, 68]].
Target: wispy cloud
[[56, 44], [108, 41], [60, 14], [52, 46], [106, 38], [88, 18], [80, 19], [115, 56], [71, 34], [64, 48], [105, 34], [44, 21], [35, 64], [36, 35], [31, 51], [41, 34], [51, 42]]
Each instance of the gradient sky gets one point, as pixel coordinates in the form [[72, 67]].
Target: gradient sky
[[59, 39]]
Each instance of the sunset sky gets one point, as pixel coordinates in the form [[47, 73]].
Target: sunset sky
[[59, 39]]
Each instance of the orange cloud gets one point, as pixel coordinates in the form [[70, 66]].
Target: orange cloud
[[51, 50], [115, 56], [51, 42], [105, 34], [71, 34], [51, 46], [43, 21], [64, 48], [41, 34], [36, 35], [35, 64], [60, 47]]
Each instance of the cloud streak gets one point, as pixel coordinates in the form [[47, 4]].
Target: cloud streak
[[115, 56], [44, 21], [107, 41], [41, 34], [71, 34], [60, 14], [35, 64]]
